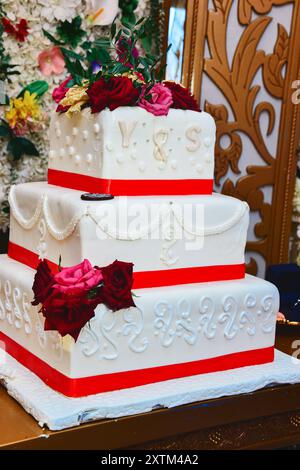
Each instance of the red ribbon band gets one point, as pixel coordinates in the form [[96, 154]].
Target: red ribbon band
[[146, 279], [129, 187], [84, 386]]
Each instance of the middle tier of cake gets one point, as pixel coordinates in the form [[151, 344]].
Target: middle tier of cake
[[170, 239]]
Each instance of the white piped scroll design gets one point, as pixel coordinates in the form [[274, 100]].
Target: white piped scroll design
[[42, 246], [15, 307], [169, 241], [105, 334], [17, 312], [226, 317], [174, 321]]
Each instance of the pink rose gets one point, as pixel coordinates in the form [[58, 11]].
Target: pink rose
[[51, 61], [77, 279], [160, 102], [60, 92]]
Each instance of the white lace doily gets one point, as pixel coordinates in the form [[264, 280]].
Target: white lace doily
[[59, 412]]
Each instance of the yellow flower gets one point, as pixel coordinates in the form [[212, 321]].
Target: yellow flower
[[75, 97], [11, 115], [134, 77], [23, 109]]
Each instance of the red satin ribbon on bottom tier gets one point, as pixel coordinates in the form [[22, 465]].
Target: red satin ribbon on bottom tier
[[148, 279], [84, 386], [130, 187]]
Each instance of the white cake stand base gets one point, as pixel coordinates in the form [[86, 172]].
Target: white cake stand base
[[56, 411]]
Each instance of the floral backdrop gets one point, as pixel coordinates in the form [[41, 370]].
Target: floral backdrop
[[35, 57]]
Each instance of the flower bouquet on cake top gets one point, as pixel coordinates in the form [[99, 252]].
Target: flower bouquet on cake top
[[112, 73]]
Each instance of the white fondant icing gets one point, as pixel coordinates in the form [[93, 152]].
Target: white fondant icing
[[154, 141], [199, 168], [207, 141], [96, 128], [89, 158], [142, 166], [77, 159], [71, 151], [120, 158], [193, 322], [94, 230]]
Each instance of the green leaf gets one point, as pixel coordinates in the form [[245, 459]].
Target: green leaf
[[113, 30], [19, 146], [52, 38], [39, 87], [128, 20], [70, 32], [100, 55], [140, 21], [86, 45], [71, 54], [4, 131]]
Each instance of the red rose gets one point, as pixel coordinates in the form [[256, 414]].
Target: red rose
[[112, 93], [43, 282], [67, 314], [182, 98], [117, 284]]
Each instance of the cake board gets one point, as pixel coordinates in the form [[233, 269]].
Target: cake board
[[57, 412]]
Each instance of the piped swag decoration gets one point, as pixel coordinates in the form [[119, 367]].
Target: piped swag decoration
[[69, 297]]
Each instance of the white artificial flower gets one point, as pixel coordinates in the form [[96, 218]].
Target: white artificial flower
[[103, 12], [60, 10]]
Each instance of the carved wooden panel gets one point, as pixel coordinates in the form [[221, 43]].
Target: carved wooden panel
[[252, 104]]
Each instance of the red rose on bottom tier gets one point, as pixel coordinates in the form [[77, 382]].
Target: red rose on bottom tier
[[43, 282], [117, 284], [67, 314]]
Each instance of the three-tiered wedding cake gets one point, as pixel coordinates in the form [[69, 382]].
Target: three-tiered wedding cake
[[196, 311]]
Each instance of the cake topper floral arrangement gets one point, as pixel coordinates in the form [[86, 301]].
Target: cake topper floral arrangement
[[111, 73], [69, 297]]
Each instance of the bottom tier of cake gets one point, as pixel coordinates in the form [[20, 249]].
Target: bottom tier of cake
[[174, 332]]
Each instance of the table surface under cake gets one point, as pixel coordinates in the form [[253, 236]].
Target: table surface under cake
[[265, 419]]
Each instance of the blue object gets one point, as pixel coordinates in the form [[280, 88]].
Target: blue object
[[286, 278]]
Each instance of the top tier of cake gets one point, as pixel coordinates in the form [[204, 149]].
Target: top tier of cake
[[130, 152]]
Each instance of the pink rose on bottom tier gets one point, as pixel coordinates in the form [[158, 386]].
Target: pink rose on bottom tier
[[77, 279]]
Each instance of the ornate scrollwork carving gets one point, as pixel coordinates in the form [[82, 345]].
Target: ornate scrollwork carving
[[274, 64], [236, 84], [245, 8]]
